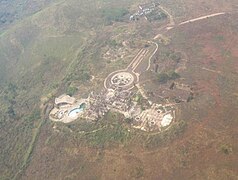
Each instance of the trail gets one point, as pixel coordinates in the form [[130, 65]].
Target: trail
[[201, 18], [171, 19], [157, 47], [141, 90], [28, 154], [210, 70]]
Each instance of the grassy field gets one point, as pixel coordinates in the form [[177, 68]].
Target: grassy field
[[52, 48]]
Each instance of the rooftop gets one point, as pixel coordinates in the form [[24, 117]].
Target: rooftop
[[65, 99]]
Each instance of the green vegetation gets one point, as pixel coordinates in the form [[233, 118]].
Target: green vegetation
[[138, 98], [175, 56], [114, 43], [111, 132], [51, 47], [171, 133], [128, 120], [156, 16], [170, 55], [226, 149], [219, 38], [114, 14], [108, 132], [14, 10], [71, 90], [141, 101], [137, 172], [17, 145], [36, 56], [108, 135], [164, 77], [32, 144], [173, 75]]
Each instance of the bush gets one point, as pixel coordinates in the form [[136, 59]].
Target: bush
[[174, 75], [71, 90], [11, 112], [85, 76], [164, 77], [113, 43], [175, 56], [226, 149], [114, 14], [128, 120], [154, 16]]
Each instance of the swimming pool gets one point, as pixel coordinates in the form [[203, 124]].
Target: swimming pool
[[74, 112]]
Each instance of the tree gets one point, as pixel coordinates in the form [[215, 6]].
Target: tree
[[11, 112], [163, 77], [71, 90], [174, 75]]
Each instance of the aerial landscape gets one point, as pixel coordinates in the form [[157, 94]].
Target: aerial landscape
[[108, 89]]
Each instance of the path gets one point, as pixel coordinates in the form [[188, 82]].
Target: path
[[201, 18], [141, 90], [172, 24], [157, 47], [171, 19], [211, 70]]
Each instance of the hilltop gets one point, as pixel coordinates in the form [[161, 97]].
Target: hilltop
[[171, 57]]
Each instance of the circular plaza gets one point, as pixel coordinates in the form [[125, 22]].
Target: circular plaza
[[120, 79]]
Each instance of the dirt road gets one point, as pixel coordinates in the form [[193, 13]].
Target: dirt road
[[171, 19], [201, 18]]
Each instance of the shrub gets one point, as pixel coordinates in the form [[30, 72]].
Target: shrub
[[113, 43], [85, 76], [128, 120], [174, 75], [163, 77], [226, 149], [175, 56], [114, 14], [71, 90]]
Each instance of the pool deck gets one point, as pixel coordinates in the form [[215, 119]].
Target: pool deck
[[61, 113]]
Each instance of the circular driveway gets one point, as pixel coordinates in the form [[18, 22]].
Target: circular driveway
[[120, 79]]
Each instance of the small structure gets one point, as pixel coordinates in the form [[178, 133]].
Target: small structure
[[143, 9], [154, 118]]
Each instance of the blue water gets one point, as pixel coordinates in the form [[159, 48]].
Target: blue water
[[74, 112], [77, 110]]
